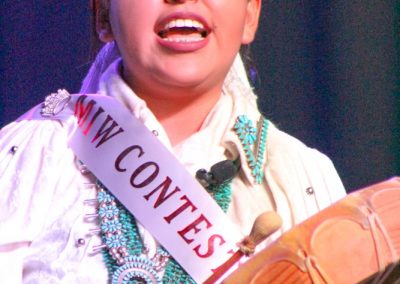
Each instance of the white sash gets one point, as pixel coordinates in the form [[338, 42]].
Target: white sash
[[150, 182]]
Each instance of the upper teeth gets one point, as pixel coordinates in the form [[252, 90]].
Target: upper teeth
[[184, 23]]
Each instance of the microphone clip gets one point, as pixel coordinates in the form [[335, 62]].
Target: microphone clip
[[219, 173]]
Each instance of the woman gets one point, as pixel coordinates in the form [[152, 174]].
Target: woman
[[177, 70]]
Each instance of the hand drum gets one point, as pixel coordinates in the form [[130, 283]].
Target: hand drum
[[356, 240]]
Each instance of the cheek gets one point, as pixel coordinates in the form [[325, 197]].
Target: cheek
[[230, 23], [131, 29], [131, 17]]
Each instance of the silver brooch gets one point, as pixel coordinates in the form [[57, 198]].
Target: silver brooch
[[55, 103]]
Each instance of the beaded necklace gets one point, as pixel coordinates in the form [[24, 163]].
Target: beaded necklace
[[253, 141], [125, 255]]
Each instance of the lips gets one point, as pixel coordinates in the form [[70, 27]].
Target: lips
[[183, 28]]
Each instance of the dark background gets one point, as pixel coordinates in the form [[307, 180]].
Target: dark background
[[328, 72]]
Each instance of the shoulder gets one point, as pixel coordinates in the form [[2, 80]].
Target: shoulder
[[33, 145], [34, 158], [39, 126], [31, 148], [284, 146], [27, 134], [305, 175]]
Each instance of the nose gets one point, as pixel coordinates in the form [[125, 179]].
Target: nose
[[178, 1]]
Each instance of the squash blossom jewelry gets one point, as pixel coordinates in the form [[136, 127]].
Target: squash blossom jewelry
[[125, 258], [253, 141], [125, 255]]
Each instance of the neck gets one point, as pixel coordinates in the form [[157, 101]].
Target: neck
[[180, 110], [181, 117]]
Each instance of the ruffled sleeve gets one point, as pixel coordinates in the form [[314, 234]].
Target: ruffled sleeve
[[30, 154]]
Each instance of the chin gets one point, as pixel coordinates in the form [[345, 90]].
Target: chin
[[186, 79], [187, 85]]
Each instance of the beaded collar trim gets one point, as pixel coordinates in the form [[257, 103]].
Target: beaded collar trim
[[253, 141]]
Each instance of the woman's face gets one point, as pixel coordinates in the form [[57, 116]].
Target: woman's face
[[181, 44]]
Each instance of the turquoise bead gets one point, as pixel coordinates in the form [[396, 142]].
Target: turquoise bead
[[247, 135]]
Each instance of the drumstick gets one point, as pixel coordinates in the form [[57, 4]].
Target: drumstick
[[264, 225]]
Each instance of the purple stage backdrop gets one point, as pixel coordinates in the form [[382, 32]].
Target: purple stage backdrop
[[328, 72]]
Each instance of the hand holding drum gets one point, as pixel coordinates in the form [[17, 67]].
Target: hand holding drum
[[264, 225], [356, 240]]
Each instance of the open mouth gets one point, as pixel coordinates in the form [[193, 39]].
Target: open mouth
[[183, 30]]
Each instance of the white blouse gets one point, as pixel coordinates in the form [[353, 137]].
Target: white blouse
[[45, 222]]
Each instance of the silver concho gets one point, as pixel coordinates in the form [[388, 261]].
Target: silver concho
[[55, 103], [138, 270]]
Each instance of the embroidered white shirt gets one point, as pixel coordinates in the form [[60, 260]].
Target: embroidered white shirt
[[44, 223]]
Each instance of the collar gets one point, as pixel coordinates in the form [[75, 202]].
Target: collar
[[215, 141]]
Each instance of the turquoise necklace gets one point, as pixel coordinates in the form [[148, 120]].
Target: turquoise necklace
[[125, 255], [253, 140]]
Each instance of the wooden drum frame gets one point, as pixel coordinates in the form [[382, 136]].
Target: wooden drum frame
[[356, 240]]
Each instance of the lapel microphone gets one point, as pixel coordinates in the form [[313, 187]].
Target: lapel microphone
[[219, 173]]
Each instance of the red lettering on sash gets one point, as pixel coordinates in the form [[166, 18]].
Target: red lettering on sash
[[82, 112], [194, 227], [124, 154], [149, 179], [90, 124], [163, 196], [210, 246], [106, 133], [183, 207]]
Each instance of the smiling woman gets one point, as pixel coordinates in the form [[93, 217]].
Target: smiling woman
[[194, 69], [166, 102]]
